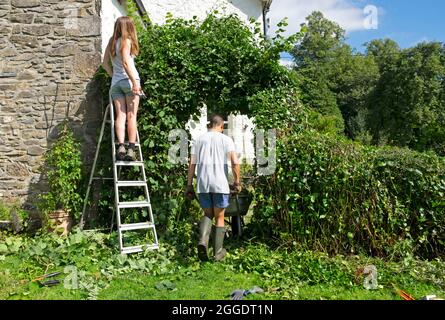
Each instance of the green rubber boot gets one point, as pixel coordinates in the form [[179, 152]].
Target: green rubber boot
[[205, 225], [218, 251]]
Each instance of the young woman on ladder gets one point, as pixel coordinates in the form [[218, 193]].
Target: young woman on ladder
[[125, 84]]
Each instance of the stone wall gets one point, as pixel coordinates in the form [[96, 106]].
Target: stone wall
[[49, 51]]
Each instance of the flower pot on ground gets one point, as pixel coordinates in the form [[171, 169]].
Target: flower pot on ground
[[59, 221]]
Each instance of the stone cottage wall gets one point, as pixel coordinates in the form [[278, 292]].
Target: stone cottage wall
[[49, 51]]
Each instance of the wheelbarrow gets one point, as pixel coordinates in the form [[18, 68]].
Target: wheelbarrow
[[238, 207]]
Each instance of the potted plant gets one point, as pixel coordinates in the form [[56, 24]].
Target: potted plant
[[63, 170]]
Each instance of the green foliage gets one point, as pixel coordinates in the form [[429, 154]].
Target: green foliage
[[316, 61], [185, 64], [387, 96], [63, 170], [4, 212], [220, 62], [333, 195], [13, 213], [295, 273], [372, 202], [407, 106], [86, 259], [279, 108], [327, 193]]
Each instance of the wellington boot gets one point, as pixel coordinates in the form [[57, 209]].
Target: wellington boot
[[218, 251], [205, 225]]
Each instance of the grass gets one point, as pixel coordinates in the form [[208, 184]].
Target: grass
[[213, 281], [173, 272], [16, 288]]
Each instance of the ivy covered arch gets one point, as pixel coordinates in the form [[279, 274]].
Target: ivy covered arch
[[221, 63]]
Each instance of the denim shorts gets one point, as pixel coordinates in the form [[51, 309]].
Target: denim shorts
[[213, 200], [122, 89]]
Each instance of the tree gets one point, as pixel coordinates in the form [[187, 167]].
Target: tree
[[322, 38], [334, 80], [407, 107], [313, 57], [354, 79]]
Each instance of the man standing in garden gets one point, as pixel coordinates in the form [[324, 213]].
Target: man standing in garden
[[209, 155]]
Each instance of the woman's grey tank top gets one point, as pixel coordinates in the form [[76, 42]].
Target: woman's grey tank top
[[119, 72]]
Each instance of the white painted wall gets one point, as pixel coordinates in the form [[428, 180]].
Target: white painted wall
[[158, 9], [110, 11]]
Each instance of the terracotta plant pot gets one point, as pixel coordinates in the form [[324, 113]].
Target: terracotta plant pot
[[60, 221]]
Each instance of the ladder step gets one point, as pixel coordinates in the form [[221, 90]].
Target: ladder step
[[134, 204], [137, 144], [136, 226], [129, 163], [131, 183], [139, 248]]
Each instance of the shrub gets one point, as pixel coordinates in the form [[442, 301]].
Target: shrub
[[63, 170], [338, 196], [327, 193]]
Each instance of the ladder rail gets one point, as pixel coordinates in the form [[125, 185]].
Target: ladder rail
[[115, 175], [96, 156], [144, 177]]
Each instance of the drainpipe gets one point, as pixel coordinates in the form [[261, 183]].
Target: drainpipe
[[141, 7], [266, 8]]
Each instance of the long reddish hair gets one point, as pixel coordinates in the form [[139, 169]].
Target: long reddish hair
[[124, 28]]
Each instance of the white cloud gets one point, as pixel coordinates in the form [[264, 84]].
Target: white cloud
[[349, 14], [287, 63]]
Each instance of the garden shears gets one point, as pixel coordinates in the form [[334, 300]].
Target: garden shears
[[48, 283]]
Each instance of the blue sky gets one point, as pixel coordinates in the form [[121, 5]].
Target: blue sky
[[406, 21]]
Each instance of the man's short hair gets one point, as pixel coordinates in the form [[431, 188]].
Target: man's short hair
[[215, 121]]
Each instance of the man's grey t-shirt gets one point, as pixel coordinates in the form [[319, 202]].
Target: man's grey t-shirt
[[210, 153]]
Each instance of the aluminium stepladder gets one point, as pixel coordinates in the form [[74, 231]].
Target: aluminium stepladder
[[119, 205]]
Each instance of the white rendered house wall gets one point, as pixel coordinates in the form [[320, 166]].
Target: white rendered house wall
[[109, 12], [187, 9]]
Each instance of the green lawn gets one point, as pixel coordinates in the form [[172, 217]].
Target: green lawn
[[211, 281], [173, 271]]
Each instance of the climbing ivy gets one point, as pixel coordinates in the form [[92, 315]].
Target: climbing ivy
[[185, 64]]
